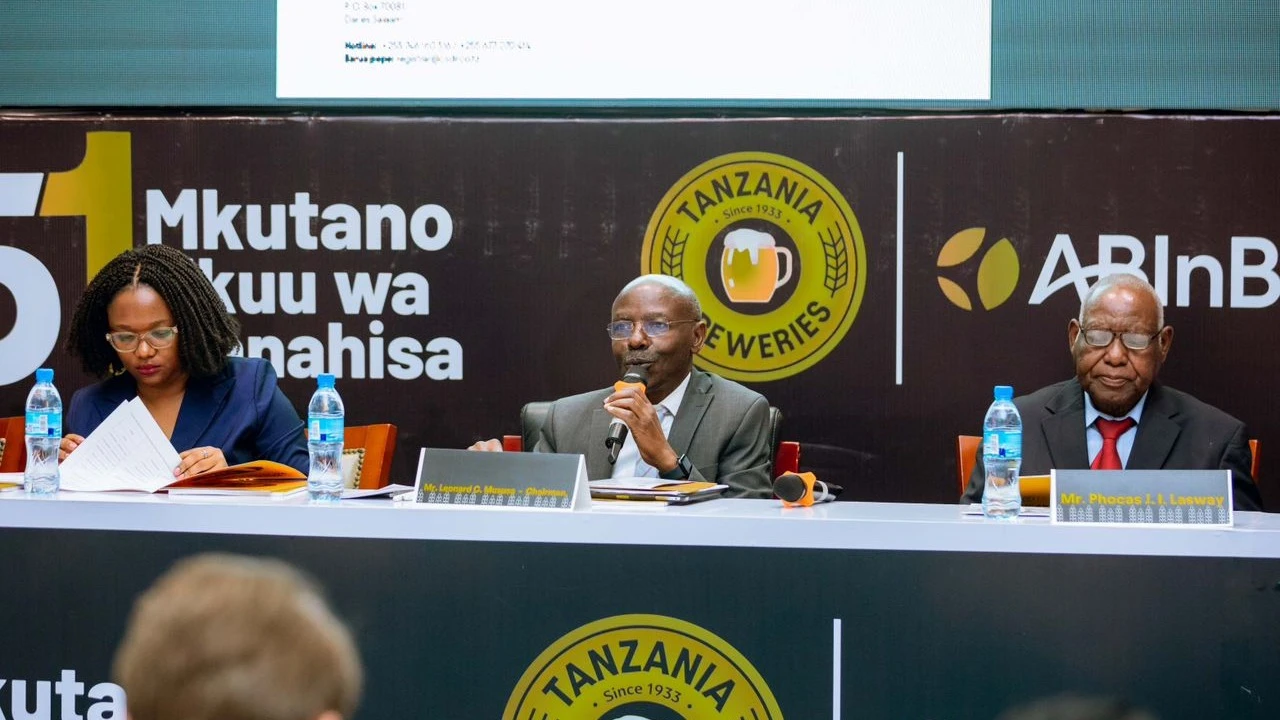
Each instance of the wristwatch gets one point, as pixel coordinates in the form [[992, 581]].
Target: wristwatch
[[682, 471]]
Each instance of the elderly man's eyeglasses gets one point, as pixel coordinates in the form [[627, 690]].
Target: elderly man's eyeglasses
[[157, 338], [622, 329], [1103, 338]]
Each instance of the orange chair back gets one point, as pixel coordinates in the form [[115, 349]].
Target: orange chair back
[[1257, 463], [13, 431], [966, 457], [787, 459], [379, 443]]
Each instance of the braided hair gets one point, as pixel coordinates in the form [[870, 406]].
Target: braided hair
[[206, 332]]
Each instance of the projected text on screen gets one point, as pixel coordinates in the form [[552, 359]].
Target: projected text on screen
[[586, 50]]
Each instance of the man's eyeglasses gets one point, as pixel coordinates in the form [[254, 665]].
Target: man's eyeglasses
[[622, 329], [1103, 338], [157, 338]]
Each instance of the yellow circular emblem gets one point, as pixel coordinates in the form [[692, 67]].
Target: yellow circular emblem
[[646, 667], [774, 253], [997, 273]]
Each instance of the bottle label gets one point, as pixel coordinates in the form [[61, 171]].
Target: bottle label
[[1006, 444], [44, 423], [325, 429]]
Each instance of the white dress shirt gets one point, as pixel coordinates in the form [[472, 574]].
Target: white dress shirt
[[630, 464]]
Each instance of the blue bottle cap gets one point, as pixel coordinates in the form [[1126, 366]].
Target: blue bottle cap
[[1004, 392], [325, 380], [44, 375]]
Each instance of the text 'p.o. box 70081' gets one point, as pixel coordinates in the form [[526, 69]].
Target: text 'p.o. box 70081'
[[527, 481], [1199, 498]]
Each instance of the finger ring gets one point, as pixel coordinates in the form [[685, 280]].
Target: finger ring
[[204, 454]]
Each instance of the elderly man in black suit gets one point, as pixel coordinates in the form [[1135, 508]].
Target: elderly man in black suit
[[1114, 414]]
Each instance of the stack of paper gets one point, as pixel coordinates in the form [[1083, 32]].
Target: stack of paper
[[129, 451]]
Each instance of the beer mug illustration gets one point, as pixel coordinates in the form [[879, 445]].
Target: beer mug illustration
[[749, 267]]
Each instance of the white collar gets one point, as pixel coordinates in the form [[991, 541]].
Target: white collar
[[1092, 413], [672, 402]]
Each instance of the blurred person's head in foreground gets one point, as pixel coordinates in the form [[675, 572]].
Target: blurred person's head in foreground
[[225, 637], [1076, 707]]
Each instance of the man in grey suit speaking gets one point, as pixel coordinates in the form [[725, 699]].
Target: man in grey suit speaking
[[685, 423], [1114, 414]]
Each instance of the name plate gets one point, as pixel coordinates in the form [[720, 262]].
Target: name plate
[[1141, 497], [528, 481]]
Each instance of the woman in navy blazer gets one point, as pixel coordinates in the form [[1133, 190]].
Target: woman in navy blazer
[[152, 325]]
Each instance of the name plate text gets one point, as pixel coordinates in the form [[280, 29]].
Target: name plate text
[[531, 481], [1141, 497]]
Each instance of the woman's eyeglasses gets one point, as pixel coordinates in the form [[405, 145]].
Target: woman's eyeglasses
[[157, 338]]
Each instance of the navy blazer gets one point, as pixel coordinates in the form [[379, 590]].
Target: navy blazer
[[240, 410]]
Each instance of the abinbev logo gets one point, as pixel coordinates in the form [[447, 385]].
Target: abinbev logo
[[1250, 258], [1245, 278], [997, 271]]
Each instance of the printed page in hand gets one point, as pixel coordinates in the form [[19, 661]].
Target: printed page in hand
[[128, 451]]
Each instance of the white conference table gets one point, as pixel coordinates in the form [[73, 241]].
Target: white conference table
[[886, 605], [726, 522]]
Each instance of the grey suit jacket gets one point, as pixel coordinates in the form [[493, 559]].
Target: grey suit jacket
[[1177, 431], [722, 427]]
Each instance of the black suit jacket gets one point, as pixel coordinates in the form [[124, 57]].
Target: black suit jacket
[[722, 426], [1177, 431]]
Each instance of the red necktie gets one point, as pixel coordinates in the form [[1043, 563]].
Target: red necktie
[[1111, 430]]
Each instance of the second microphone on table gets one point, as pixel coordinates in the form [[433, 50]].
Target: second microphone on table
[[797, 489]]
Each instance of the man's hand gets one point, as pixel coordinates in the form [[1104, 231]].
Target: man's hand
[[68, 445], [632, 407], [490, 445]]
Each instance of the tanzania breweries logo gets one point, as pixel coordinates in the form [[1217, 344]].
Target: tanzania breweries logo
[[997, 273], [101, 190], [774, 253], [641, 667]]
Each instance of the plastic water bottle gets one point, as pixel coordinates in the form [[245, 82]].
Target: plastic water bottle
[[1002, 456], [324, 442], [44, 435]]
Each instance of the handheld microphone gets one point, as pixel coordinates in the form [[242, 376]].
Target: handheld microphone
[[636, 377], [803, 490]]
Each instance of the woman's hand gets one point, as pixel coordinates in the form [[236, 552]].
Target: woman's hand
[[199, 460], [68, 445]]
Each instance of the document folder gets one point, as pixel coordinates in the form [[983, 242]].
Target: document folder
[[673, 493]]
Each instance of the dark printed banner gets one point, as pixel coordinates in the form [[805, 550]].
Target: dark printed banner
[[458, 629], [874, 277]]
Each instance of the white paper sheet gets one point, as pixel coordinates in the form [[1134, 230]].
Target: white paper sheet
[[128, 451]]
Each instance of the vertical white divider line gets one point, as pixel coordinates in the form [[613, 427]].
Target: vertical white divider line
[[898, 341], [835, 668]]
